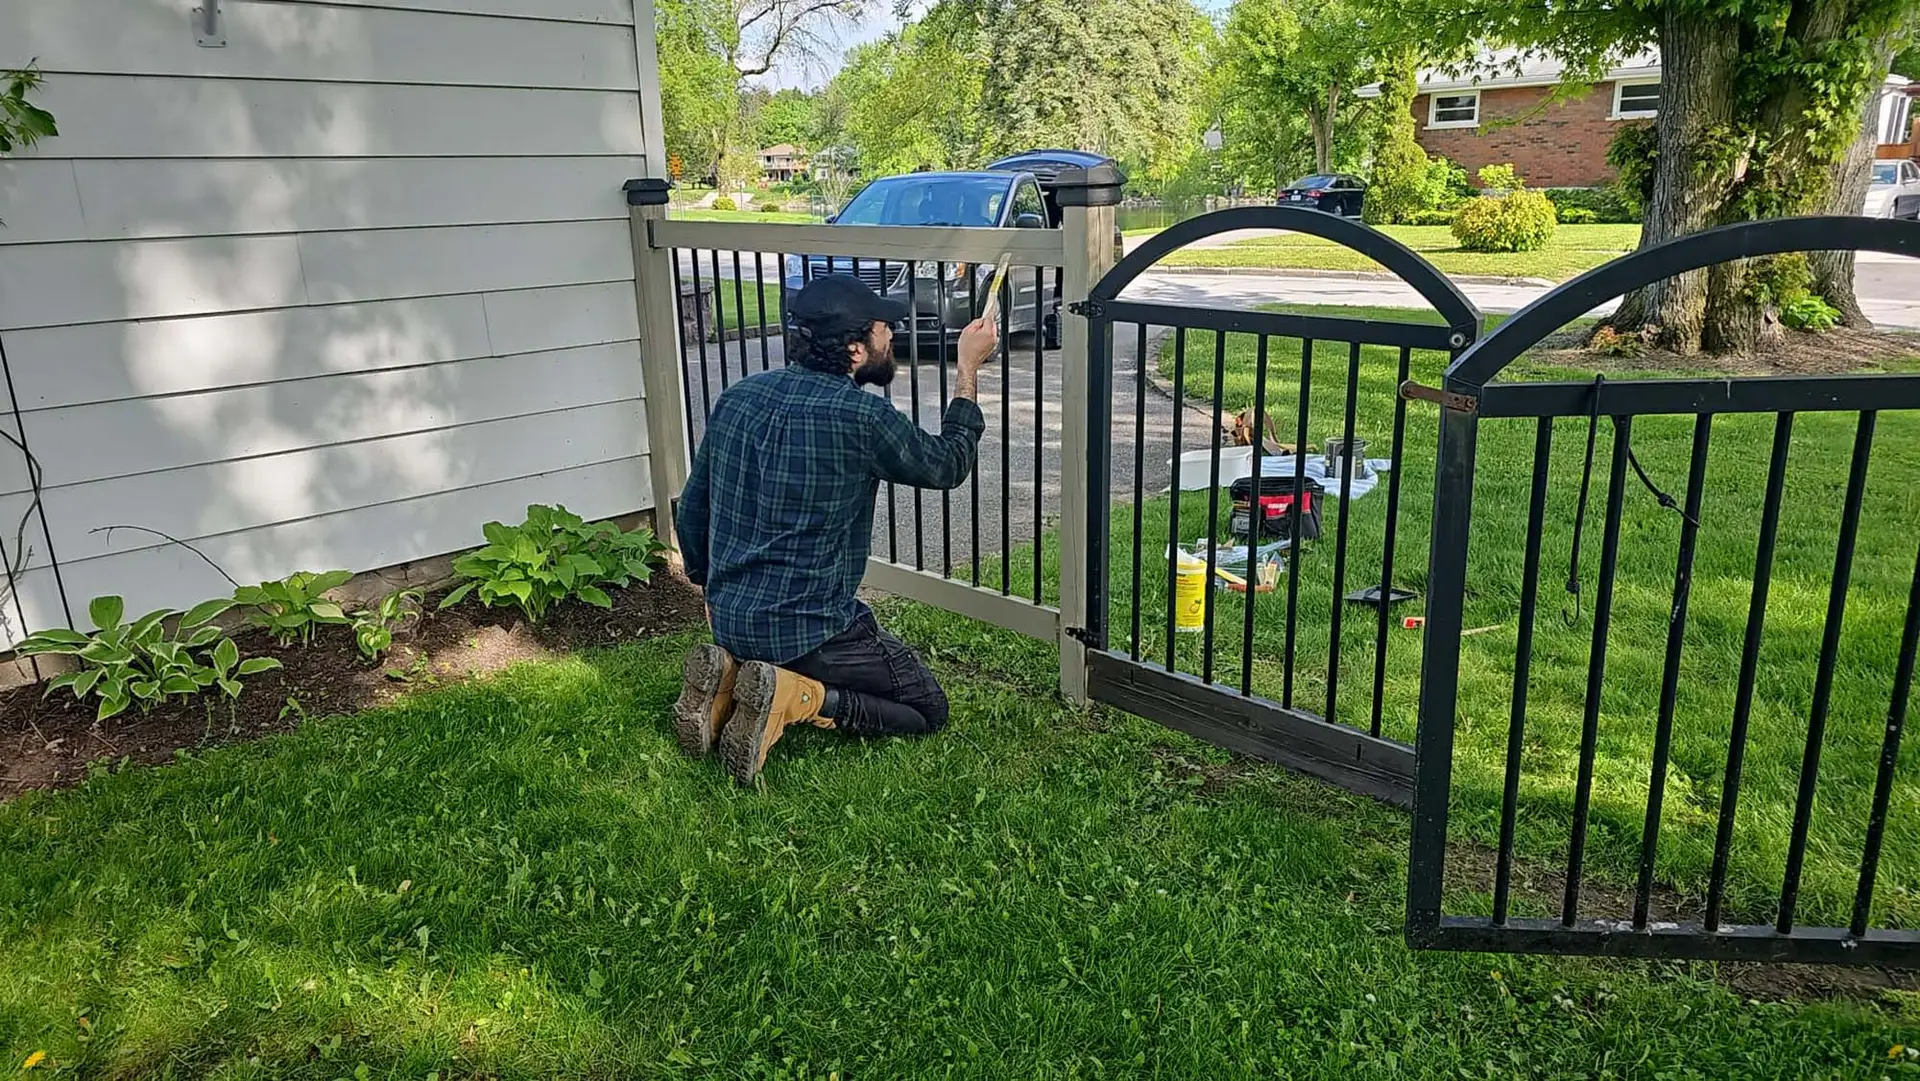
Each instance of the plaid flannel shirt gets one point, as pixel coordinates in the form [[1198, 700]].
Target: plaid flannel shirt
[[777, 517]]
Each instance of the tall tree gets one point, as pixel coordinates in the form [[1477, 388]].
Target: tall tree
[[1118, 76], [1760, 103], [1303, 58]]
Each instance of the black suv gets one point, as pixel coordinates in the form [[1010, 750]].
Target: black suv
[[1013, 193]]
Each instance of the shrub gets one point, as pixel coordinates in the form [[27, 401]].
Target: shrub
[[1608, 204], [1631, 153], [1809, 312], [1399, 188], [1430, 217], [1499, 179], [553, 556], [1575, 215], [1515, 221], [725, 202], [769, 208], [295, 606], [144, 662], [1447, 184]]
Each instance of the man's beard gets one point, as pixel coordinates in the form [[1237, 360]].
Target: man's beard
[[877, 371]]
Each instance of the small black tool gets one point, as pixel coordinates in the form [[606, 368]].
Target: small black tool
[[1371, 595]]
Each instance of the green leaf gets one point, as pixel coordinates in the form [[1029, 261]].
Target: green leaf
[[231, 688], [594, 596], [179, 685], [112, 707], [328, 612], [331, 580], [206, 610], [202, 637], [107, 611], [106, 653], [226, 655], [250, 595], [253, 666], [498, 534], [60, 641], [146, 689], [519, 589], [63, 682], [84, 684], [457, 595]]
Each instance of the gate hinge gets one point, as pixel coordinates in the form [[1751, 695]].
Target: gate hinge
[[1081, 635], [1090, 309], [1447, 399]]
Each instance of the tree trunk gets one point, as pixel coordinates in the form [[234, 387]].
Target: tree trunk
[[1833, 270], [1322, 124], [1698, 55]]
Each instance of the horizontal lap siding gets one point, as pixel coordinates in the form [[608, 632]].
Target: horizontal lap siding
[[332, 296]]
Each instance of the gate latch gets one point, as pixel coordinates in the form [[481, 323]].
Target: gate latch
[[1446, 399], [1090, 309]]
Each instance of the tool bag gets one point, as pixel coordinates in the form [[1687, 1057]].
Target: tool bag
[[1276, 506]]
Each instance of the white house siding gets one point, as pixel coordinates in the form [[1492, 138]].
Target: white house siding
[[330, 296]]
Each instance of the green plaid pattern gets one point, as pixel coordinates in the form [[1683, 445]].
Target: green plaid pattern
[[777, 518]]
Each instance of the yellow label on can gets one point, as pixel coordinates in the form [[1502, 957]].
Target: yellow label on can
[[1190, 598]]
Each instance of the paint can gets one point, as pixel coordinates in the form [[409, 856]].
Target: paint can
[[1189, 594]]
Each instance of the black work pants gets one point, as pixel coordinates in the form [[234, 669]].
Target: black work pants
[[884, 688]]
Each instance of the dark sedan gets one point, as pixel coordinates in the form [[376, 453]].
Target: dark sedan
[[1335, 193]]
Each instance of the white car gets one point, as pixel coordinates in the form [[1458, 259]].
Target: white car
[[1894, 191]]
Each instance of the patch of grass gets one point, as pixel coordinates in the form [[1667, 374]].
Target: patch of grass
[[1573, 249], [524, 878], [784, 217], [746, 309]]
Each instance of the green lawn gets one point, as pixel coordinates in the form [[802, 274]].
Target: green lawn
[[1573, 249], [782, 217], [1735, 478], [745, 309], [524, 878]]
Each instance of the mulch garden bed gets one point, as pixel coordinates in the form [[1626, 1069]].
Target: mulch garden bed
[[1832, 352], [50, 742]]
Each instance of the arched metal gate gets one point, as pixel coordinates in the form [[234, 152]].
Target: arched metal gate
[[1286, 704], [1813, 419]]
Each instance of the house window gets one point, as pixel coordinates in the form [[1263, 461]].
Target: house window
[[1633, 101], [1460, 110]]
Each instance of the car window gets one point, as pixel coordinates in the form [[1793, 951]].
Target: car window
[[1026, 200], [1885, 173], [929, 199], [1318, 181], [1908, 171]]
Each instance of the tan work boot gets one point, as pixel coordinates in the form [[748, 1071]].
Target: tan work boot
[[706, 698], [765, 701]]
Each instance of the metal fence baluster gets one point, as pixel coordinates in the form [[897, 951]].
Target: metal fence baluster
[[1340, 531], [1823, 679], [1749, 668], [1522, 665], [1294, 547], [1670, 676]]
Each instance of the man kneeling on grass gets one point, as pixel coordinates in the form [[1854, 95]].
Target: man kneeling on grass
[[775, 523]]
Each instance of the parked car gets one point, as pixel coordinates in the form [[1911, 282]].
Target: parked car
[[1012, 193], [1335, 193], [1894, 191]]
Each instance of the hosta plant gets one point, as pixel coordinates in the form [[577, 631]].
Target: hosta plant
[[292, 608], [146, 662], [554, 555], [373, 627]]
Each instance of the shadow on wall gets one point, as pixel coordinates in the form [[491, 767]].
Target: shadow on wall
[[196, 358]]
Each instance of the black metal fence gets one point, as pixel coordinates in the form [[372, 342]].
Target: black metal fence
[[1282, 700], [1810, 415]]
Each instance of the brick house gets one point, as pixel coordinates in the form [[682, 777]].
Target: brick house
[[1498, 110]]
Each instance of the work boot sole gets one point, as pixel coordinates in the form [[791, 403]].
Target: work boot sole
[[700, 691], [743, 741]]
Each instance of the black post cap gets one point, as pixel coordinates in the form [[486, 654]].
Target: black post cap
[[1098, 186], [647, 191]]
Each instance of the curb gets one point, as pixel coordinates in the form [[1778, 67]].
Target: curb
[[1343, 275]]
